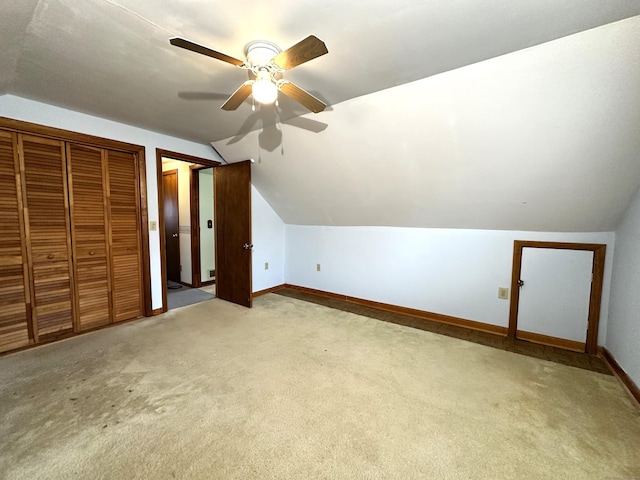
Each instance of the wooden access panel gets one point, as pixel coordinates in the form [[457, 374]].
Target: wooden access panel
[[125, 245], [48, 239], [15, 303], [88, 206]]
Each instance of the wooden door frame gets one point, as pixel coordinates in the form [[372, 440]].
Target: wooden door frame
[[196, 254], [595, 297], [194, 196], [138, 151], [183, 157]]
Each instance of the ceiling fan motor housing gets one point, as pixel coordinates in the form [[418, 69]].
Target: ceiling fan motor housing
[[260, 54]]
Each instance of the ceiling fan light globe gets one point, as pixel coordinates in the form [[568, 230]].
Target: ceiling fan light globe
[[265, 91]]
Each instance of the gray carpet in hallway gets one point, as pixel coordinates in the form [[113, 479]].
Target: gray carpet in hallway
[[186, 296]]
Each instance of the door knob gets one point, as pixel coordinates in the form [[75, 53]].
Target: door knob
[[520, 283], [175, 235], [246, 246]]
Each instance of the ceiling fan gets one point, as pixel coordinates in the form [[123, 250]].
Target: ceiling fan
[[266, 64]]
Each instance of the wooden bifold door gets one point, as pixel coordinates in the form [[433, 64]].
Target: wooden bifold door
[[15, 295], [70, 252], [47, 239]]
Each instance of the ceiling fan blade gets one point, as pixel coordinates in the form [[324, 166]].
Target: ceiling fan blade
[[301, 96], [239, 96], [303, 51], [194, 47]]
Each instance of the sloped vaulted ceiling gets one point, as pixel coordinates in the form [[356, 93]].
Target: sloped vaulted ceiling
[[543, 139], [440, 113]]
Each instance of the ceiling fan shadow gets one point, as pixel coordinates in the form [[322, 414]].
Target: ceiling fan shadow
[[247, 126], [203, 96], [270, 137], [290, 107], [306, 124]]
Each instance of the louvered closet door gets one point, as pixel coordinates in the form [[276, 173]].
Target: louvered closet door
[[14, 292], [48, 234], [89, 235], [124, 214]]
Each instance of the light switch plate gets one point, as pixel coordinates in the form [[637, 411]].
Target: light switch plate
[[503, 293]]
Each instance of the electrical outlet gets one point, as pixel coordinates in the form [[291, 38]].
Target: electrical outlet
[[153, 225], [318, 267], [503, 293], [266, 265]]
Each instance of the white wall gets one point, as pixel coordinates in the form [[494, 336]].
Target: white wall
[[268, 237], [41, 113], [623, 333], [447, 271], [184, 215]]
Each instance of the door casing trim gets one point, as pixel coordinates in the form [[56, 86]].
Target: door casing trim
[[160, 153], [595, 297]]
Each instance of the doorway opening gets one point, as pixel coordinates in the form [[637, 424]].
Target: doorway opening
[[556, 293], [187, 216], [213, 233]]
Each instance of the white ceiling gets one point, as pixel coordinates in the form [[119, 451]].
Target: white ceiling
[[553, 126]]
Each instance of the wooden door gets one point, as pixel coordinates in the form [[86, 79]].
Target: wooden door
[[89, 222], [171, 224], [48, 240], [125, 236], [15, 302], [232, 197]]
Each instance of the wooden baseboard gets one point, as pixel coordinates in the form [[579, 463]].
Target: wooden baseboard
[[267, 290], [620, 374], [436, 317], [320, 293], [551, 341], [158, 311]]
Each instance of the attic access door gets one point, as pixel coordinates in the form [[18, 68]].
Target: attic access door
[[556, 291], [232, 199]]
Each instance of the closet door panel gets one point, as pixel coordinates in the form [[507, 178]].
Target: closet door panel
[[48, 233], [124, 215], [89, 234], [14, 291]]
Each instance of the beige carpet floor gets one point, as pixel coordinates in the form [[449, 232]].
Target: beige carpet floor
[[291, 389]]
